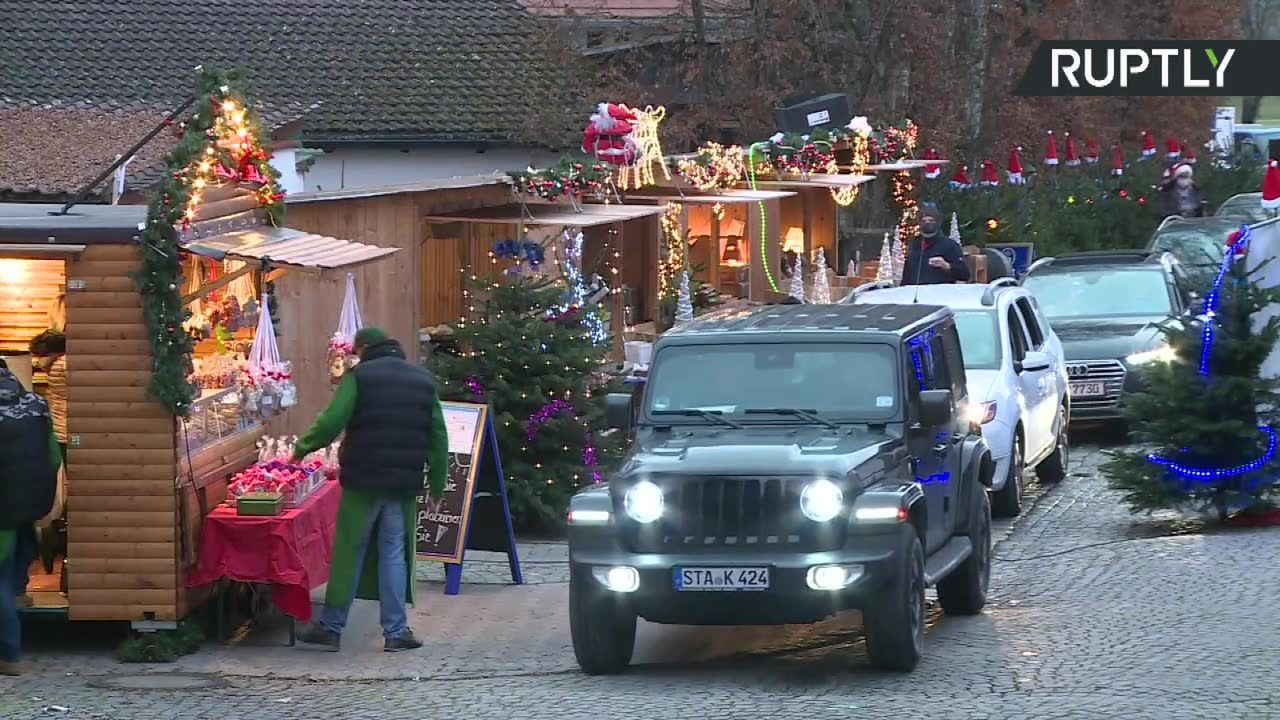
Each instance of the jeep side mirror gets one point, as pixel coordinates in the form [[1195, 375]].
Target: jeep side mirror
[[619, 410], [937, 408]]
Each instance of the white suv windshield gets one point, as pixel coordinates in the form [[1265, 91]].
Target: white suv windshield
[[1099, 293], [833, 380], [979, 340]]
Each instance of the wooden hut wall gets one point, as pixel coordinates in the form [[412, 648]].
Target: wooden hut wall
[[27, 288], [760, 288], [121, 512], [397, 294]]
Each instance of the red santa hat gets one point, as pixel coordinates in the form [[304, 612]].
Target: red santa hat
[[1015, 167], [989, 175], [1172, 150], [1148, 144], [1188, 154], [961, 178], [1117, 161], [1073, 159], [1091, 151], [1271, 186], [1050, 150], [1180, 169], [932, 171]]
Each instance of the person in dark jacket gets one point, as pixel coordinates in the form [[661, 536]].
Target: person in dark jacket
[[29, 460], [395, 437], [933, 258], [1181, 195]]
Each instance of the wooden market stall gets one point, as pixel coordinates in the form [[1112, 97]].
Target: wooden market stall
[[811, 219], [139, 481], [619, 243], [723, 231]]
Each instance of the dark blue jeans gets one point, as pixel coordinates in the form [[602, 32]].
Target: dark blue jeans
[[13, 582]]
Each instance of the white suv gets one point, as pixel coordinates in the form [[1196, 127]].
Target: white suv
[[1016, 376]]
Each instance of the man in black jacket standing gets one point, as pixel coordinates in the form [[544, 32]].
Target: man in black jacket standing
[[933, 258]]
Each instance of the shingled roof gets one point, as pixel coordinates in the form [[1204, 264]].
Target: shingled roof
[[419, 70]]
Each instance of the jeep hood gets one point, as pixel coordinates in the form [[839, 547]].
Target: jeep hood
[[756, 450]]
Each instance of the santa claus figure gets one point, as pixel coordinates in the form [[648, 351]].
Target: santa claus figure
[[608, 135]]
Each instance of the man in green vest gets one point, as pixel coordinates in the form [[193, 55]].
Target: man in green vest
[[394, 431]]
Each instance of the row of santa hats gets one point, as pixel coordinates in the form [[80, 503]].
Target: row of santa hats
[[1174, 151]]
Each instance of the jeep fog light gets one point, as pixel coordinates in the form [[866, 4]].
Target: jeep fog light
[[620, 579], [643, 502], [821, 500], [832, 577]]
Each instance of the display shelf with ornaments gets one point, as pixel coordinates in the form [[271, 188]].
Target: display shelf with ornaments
[[276, 472]]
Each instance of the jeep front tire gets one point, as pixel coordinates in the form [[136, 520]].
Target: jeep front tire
[[894, 621], [603, 627]]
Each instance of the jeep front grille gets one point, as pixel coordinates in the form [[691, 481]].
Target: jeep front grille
[[728, 513], [1110, 373]]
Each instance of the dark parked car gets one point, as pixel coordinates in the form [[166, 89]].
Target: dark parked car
[[790, 462], [1108, 309]]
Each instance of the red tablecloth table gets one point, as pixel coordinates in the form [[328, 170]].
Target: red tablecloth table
[[290, 552]]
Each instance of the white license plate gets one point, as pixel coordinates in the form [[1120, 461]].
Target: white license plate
[[721, 578], [1088, 389]]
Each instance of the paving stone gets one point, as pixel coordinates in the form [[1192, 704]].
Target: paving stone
[[1094, 613]]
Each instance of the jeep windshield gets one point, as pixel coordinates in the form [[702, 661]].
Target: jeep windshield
[[1078, 294], [774, 382]]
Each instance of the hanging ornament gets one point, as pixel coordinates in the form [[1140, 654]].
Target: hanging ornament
[[341, 346]]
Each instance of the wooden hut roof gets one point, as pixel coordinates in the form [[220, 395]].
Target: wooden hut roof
[[549, 214], [721, 197], [286, 246], [83, 224]]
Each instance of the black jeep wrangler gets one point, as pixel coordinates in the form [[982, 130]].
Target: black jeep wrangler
[[790, 462]]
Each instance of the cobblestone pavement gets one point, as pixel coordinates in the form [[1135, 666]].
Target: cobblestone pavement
[[1094, 614]]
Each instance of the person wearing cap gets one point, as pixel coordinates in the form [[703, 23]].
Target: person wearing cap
[[1180, 192], [933, 258], [394, 435]]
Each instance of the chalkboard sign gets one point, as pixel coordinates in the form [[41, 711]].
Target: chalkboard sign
[[1020, 255], [474, 514]]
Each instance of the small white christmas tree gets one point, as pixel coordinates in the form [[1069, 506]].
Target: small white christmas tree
[[797, 279], [955, 228], [684, 305], [899, 254], [821, 283], [852, 271], [885, 272]]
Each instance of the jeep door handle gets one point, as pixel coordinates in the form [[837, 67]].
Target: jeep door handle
[[940, 449]]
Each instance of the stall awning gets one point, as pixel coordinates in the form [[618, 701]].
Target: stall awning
[[835, 182], [287, 247], [39, 251], [548, 214], [721, 197]]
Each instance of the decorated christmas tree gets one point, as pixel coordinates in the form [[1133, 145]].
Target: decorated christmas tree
[[899, 254], [684, 306], [821, 283], [797, 280], [534, 363], [1206, 419], [884, 273]]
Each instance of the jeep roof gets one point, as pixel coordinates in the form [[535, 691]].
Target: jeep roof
[[781, 320]]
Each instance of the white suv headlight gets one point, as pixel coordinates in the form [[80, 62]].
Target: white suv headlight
[[643, 502], [821, 500]]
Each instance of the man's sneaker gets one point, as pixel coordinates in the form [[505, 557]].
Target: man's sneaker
[[405, 642], [314, 634], [11, 669]]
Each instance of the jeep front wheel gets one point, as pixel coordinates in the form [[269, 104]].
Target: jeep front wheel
[[964, 591], [603, 628], [894, 621]]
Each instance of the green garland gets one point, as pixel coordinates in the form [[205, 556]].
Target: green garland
[[160, 274]]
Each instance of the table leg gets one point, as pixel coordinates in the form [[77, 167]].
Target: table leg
[[293, 631]]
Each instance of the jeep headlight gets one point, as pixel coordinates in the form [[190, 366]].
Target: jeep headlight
[[1164, 354], [643, 502], [821, 500]]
